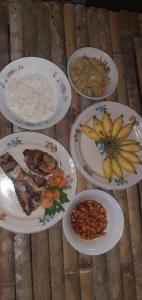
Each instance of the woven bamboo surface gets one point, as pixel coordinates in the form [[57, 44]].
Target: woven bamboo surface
[[44, 266]]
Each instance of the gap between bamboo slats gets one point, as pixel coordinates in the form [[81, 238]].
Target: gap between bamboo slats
[[7, 275], [132, 193]]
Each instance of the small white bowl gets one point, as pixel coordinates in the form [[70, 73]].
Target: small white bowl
[[114, 228], [94, 52]]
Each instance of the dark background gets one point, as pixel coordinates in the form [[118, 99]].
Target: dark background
[[131, 5]]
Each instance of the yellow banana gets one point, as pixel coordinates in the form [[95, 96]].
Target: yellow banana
[[98, 127], [128, 142], [116, 168], [107, 123], [125, 131], [107, 168], [125, 164], [131, 147], [130, 156], [117, 124], [90, 132]]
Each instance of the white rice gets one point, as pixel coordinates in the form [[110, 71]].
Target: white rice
[[31, 98]]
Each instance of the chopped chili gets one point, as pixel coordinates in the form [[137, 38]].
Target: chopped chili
[[89, 219]]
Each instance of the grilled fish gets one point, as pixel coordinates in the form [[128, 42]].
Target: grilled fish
[[28, 187], [40, 162]]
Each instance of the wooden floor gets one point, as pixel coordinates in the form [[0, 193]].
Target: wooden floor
[[44, 266]]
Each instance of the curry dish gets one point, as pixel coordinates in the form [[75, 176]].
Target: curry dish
[[90, 75]]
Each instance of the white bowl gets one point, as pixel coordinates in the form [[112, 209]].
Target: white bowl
[[114, 228], [94, 52]]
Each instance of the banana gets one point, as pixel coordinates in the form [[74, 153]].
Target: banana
[[116, 168], [130, 156], [125, 131], [90, 132], [98, 127], [107, 124], [125, 164], [128, 142], [131, 147], [107, 168], [117, 124]]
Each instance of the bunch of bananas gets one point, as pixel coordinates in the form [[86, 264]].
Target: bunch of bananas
[[120, 151]]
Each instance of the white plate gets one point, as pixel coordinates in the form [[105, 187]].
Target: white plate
[[114, 228], [57, 79], [88, 157], [94, 52], [16, 220]]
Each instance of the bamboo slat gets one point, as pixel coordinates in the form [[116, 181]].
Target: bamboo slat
[[132, 193], [134, 24], [112, 258], [29, 29], [71, 261], [39, 241], [104, 31], [21, 242], [115, 34], [132, 84], [100, 277], [136, 237], [140, 22], [41, 266], [7, 276], [55, 233], [86, 274], [105, 39], [126, 258], [122, 94], [41, 15], [93, 25], [138, 52]]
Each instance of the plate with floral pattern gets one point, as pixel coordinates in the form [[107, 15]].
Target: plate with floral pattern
[[58, 82], [88, 154], [12, 216]]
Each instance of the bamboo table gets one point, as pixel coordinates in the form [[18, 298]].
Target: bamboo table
[[44, 266]]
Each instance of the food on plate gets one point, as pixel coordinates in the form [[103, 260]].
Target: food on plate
[[34, 190], [116, 126], [98, 126], [120, 151], [48, 197], [31, 97], [107, 168], [107, 123], [90, 75], [28, 188], [57, 180], [40, 162], [89, 219], [90, 132]]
